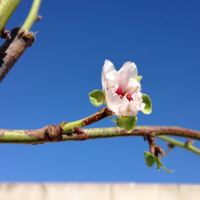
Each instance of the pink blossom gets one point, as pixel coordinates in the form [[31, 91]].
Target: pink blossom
[[122, 90]]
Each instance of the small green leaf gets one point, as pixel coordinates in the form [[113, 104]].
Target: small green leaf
[[126, 122], [138, 78], [148, 107], [159, 164], [149, 158], [97, 97]]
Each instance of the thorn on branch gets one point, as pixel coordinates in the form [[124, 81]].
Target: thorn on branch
[[5, 34], [39, 17]]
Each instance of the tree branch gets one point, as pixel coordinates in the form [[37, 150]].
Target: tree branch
[[12, 49], [7, 7], [32, 16], [52, 133]]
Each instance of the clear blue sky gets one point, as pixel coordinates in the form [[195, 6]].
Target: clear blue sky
[[51, 81]]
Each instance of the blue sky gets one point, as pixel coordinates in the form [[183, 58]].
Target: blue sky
[[51, 81]]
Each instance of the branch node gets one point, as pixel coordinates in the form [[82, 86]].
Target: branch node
[[170, 145], [189, 142], [153, 148], [27, 36], [50, 133], [78, 130], [80, 133], [5, 34]]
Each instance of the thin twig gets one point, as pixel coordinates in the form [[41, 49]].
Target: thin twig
[[33, 15], [12, 49], [186, 146]]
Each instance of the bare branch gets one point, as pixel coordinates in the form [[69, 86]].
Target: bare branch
[[40, 135], [12, 49]]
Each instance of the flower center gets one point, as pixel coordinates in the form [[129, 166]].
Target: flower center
[[121, 94]]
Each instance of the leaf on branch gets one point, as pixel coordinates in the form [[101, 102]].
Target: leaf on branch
[[97, 97], [149, 158], [126, 122], [148, 106]]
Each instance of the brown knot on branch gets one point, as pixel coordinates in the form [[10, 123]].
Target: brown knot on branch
[[154, 149], [5, 34], [12, 49], [50, 133]]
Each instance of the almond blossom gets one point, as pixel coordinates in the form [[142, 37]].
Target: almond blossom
[[122, 90]]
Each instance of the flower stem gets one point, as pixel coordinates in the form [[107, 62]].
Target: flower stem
[[32, 16], [180, 144], [7, 7]]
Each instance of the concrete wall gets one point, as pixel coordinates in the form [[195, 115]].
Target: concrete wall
[[90, 191]]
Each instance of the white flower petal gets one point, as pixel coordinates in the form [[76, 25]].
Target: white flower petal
[[108, 75], [133, 109], [123, 109], [137, 98], [128, 70], [133, 86], [113, 101], [128, 109]]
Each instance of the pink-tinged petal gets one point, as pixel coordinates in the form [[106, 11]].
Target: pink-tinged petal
[[128, 70], [123, 109], [128, 109], [133, 86], [137, 98], [133, 109], [113, 101], [108, 75]]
